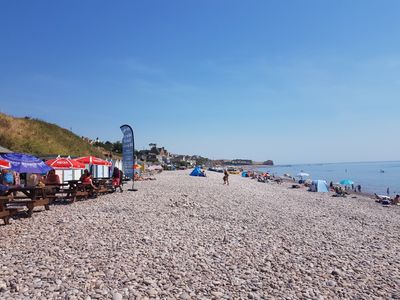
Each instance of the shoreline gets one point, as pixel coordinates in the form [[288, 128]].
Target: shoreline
[[371, 182]]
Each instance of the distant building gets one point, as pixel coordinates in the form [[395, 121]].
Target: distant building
[[178, 159], [155, 155]]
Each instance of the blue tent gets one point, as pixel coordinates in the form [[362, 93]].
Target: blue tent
[[197, 172], [319, 186]]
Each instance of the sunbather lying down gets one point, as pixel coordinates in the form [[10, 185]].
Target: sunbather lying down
[[141, 178], [381, 197], [387, 200]]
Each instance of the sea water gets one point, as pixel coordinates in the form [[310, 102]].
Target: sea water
[[374, 177]]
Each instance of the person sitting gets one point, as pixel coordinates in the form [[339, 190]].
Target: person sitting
[[7, 178], [33, 179], [396, 200], [3, 189], [86, 179], [42, 181], [52, 178], [340, 192]]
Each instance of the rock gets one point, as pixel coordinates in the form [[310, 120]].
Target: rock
[[148, 281], [152, 292], [217, 294], [330, 283], [185, 296], [116, 296]]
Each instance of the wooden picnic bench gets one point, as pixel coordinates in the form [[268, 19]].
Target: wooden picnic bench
[[104, 185], [71, 191], [33, 197], [5, 212]]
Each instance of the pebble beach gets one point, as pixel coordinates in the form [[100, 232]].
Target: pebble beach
[[183, 237]]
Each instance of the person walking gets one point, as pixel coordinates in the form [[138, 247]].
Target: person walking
[[226, 177], [117, 179]]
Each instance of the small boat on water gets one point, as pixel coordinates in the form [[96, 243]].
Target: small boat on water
[[381, 171]]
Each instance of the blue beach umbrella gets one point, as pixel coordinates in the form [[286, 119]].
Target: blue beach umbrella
[[346, 182], [25, 163]]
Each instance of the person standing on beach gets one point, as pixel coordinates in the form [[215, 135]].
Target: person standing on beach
[[226, 177], [387, 191], [117, 179]]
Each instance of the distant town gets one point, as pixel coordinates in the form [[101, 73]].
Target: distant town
[[160, 156]]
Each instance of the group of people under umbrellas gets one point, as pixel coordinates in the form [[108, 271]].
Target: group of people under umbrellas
[[35, 172]]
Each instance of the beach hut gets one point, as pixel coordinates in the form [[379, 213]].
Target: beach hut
[[319, 186]]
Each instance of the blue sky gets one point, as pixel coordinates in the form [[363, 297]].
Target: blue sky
[[292, 81]]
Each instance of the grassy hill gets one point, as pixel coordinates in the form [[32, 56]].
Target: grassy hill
[[41, 138]]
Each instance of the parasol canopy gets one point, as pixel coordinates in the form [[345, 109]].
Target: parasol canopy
[[92, 160], [303, 174], [346, 182], [25, 163], [65, 163]]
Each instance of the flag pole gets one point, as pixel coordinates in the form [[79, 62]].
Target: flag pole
[[128, 153]]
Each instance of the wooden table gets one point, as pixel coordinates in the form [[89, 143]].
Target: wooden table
[[71, 191], [104, 185], [34, 196], [5, 212]]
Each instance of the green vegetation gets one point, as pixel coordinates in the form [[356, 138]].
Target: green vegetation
[[41, 138], [110, 147]]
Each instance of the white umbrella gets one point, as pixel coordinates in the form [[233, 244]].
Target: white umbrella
[[303, 174]]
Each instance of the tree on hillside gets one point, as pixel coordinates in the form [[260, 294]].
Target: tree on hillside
[[117, 147]]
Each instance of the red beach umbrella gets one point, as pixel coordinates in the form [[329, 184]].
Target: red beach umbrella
[[91, 160], [64, 163], [4, 164]]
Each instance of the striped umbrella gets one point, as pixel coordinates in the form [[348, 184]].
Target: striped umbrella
[[92, 160], [64, 163]]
